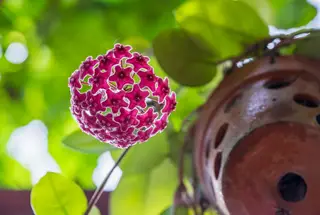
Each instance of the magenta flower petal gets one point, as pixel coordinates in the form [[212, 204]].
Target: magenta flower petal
[[76, 111], [139, 62], [123, 135], [107, 61], [99, 80], [85, 128], [78, 98], [94, 103], [121, 51], [127, 118], [130, 120], [124, 143], [122, 76], [90, 121], [162, 89], [170, 103], [161, 124], [147, 118], [137, 97], [148, 79], [107, 122], [87, 66], [74, 80], [115, 100], [144, 135], [103, 135]]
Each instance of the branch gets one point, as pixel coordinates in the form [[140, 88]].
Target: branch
[[287, 40], [97, 194]]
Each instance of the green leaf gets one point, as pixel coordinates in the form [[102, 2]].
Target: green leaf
[[182, 59], [309, 46], [95, 211], [182, 111], [55, 194], [232, 19], [210, 212], [83, 142], [142, 158], [292, 13], [284, 14], [176, 210], [210, 35], [145, 193]]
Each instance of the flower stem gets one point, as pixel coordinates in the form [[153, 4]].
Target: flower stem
[[97, 194]]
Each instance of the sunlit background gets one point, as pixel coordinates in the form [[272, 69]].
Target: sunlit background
[[28, 145]]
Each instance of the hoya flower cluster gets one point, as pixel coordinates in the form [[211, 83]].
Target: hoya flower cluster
[[118, 99]]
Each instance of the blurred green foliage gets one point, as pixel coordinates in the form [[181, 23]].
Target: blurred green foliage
[[183, 38]]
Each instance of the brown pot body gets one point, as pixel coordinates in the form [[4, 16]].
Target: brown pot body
[[258, 126]]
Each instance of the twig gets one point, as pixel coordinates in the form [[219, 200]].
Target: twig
[[255, 46], [97, 194]]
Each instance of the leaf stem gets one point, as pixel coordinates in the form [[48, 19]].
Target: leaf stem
[[97, 194], [285, 41]]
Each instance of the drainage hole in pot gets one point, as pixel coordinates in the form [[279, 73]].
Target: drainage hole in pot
[[306, 100], [318, 119], [217, 164], [292, 187], [221, 134], [278, 83]]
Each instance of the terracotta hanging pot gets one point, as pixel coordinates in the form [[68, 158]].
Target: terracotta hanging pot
[[257, 148]]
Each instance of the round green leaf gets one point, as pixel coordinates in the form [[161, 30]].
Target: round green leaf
[[234, 19], [175, 210], [182, 111], [95, 211], [309, 46], [284, 14], [292, 13], [182, 59], [201, 27], [147, 193], [83, 142], [55, 194]]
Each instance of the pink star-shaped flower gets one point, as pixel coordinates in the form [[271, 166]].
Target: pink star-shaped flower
[[86, 129], [123, 135], [147, 118], [94, 103], [99, 80], [107, 122], [121, 51], [161, 124], [76, 111], [114, 100], [127, 118], [86, 68], [143, 136], [122, 76], [137, 97], [139, 61], [162, 89], [170, 103], [103, 135], [107, 61], [124, 143], [148, 78], [74, 80], [90, 121], [78, 98]]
